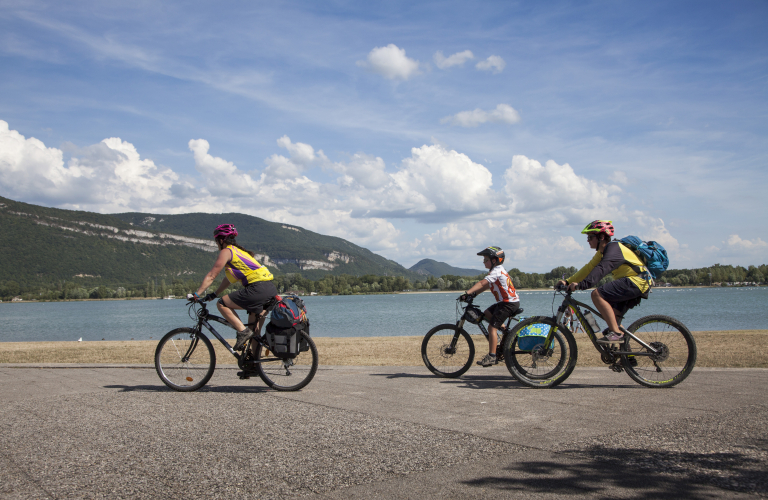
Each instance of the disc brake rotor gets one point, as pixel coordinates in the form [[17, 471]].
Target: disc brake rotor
[[662, 352]]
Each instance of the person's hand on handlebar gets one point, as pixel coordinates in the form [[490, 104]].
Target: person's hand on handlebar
[[466, 296], [562, 285], [194, 297]]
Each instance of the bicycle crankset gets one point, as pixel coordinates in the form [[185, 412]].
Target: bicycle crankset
[[608, 358]]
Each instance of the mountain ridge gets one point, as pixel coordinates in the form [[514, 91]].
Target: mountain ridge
[[134, 247], [430, 267]]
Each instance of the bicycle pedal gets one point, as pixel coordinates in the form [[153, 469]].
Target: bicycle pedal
[[244, 375]]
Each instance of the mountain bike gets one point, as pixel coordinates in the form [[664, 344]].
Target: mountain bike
[[448, 350], [656, 351], [185, 359]]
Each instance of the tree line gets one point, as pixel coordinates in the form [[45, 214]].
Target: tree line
[[348, 284]]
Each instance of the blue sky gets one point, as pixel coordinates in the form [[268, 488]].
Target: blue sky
[[416, 129]]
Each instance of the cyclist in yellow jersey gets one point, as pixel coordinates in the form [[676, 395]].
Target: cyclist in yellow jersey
[[240, 265], [628, 286]]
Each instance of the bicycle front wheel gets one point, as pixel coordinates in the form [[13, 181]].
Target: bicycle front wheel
[[539, 365], [674, 356], [290, 374], [184, 359], [447, 351]]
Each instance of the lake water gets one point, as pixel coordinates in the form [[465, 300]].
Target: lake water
[[363, 315]]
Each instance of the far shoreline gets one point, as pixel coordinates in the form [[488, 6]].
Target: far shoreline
[[410, 292]]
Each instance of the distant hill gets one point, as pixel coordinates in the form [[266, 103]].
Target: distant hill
[[428, 267], [43, 244]]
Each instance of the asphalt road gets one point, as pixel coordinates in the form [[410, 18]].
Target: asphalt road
[[381, 432]]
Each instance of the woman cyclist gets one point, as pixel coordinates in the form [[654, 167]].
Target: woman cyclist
[[239, 265], [628, 286]]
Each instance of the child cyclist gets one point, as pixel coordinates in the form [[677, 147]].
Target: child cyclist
[[507, 301], [628, 286], [239, 265]]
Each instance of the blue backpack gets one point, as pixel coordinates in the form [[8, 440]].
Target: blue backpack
[[651, 254], [288, 312]]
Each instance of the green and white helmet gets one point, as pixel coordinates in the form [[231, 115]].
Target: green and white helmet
[[493, 253]]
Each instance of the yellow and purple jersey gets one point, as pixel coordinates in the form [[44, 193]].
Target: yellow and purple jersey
[[245, 268]]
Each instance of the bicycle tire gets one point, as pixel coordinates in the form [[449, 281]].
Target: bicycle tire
[[289, 374], [440, 358], [182, 374], [541, 368], [677, 357]]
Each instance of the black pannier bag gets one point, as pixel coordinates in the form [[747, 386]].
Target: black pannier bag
[[288, 319]]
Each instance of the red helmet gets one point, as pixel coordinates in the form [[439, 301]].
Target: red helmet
[[599, 226], [224, 231]]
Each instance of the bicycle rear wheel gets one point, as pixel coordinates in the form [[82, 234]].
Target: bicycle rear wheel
[[184, 359], [290, 374], [443, 356], [675, 357], [542, 366]]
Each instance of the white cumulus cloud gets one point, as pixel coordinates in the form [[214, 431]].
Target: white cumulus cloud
[[107, 177], [734, 241], [557, 189], [494, 64], [504, 113], [457, 59], [390, 62]]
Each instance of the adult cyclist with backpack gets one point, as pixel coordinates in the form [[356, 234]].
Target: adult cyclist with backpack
[[507, 300], [629, 284], [240, 265]]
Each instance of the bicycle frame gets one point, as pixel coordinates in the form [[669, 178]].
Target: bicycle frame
[[203, 317], [569, 301], [460, 323]]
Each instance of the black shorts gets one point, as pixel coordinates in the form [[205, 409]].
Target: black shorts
[[253, 297], [500, 311], [622, 294]]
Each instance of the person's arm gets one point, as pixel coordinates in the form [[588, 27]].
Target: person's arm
[[479, 287], [611, 259], [224, 257]]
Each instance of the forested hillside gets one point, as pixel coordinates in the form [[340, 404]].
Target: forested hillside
[[291, 248], [44, 246], [429, 267], [49, 253]]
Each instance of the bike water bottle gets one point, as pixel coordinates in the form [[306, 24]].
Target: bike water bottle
[[591, 321]]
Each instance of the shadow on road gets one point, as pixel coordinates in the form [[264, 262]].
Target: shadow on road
[[493, 381], [207, 388], [641, 473]]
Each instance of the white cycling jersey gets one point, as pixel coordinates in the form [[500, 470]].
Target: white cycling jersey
[[501, 285]]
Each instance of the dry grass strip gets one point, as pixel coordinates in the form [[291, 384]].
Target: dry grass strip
[[726, 349]]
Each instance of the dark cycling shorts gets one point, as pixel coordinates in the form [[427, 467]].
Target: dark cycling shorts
[[500, 311], [253, 297], [622, 294]]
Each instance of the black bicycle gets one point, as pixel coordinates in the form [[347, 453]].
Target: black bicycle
[[656, 350], [448, 350], [185, 359]]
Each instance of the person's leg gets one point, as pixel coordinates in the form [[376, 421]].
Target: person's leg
[[493, 339], [614, 298], [606, 311], [226, 310]]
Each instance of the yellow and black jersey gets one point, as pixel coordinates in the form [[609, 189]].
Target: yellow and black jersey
[[615, 259]]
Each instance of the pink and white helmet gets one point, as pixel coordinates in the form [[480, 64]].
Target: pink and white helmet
[[224, 231]]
